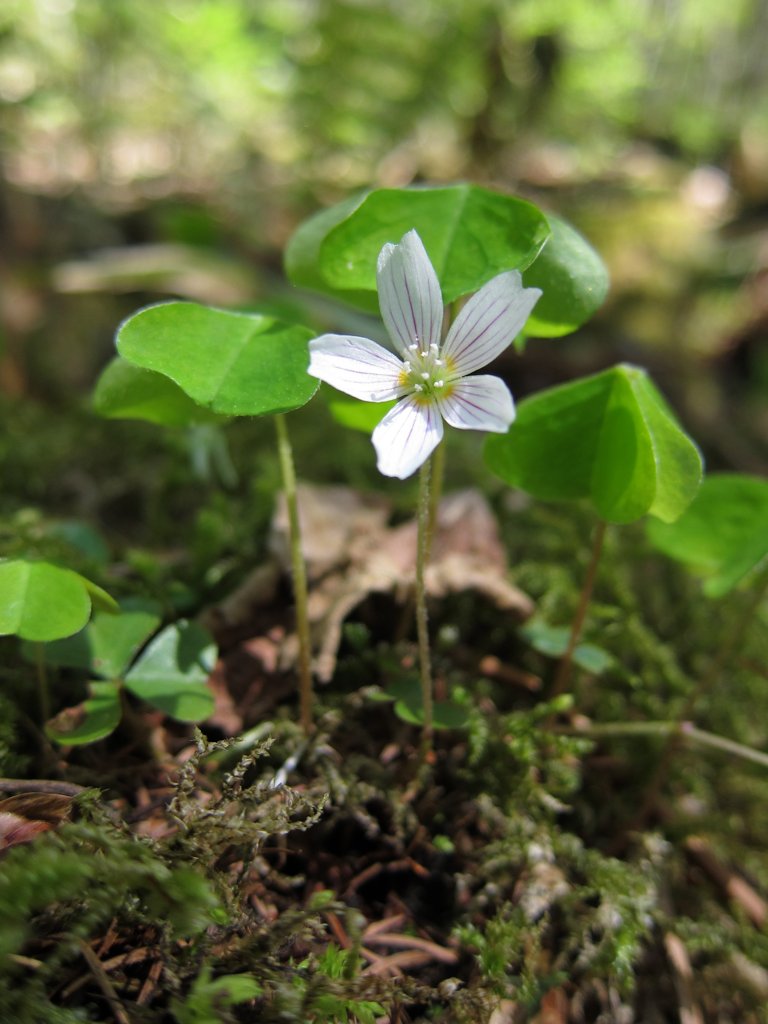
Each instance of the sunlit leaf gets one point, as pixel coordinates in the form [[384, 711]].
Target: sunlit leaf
[[100, 599], [90, 721], [610, 439], [471, 234], [128, 392], [237, 364], [724, 532], [42, 602], [173, 670], [573, 280]]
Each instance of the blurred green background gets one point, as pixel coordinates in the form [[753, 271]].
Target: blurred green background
[[169, 147]]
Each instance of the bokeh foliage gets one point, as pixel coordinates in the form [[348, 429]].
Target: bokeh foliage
[[337, 92]]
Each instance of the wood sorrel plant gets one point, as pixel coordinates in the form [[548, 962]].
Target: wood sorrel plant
[[182, 362], [608, 439], [429, 378], [227, 364]]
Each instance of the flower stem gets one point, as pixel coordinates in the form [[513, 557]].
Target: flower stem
[[436, 488], [42, 683], [422, 629], [299, 573], [564, 668]]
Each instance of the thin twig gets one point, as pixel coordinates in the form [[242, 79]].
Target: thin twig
[[733, 885], [104, 983], [686, 730], [717, 665], [564, 668]]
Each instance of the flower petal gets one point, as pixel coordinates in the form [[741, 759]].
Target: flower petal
[[488, 323], [409, 294], [407, 436], [479, 403], [356, 366]]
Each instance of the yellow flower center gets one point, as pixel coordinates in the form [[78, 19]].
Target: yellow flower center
[[426, 373]]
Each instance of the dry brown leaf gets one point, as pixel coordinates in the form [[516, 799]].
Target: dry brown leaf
[[351, 553]]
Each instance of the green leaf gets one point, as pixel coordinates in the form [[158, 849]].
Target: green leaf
[[302, 254], [610, 439], [724, 532], [108, 644], [172, 672], [115, 639], [209, 997], [82, 537], [546, 639], [446, 714], [471, 234], [573, 279], [237, 364], [357, 415], [406, 693], [553, 642], [593, 659], [90, 721], [42, 602], [100, 599], [128, 392]]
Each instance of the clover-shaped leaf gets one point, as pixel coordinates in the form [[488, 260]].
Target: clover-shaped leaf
[[128, 392], [553, 641], [173, 671], [405, 695], [236, 364], [471, 234], [610, 439], [43, 602], [170, 673], [723, 534], [90, 721], [109, 643], [573, 280]]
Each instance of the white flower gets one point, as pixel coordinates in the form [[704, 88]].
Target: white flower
[[430, 379]]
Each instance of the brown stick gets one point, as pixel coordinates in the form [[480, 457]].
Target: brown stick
[[733, 885], [104, 983], [41, 786]]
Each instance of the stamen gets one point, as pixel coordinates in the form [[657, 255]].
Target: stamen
[[433, 348], [439, 384], [418, 387], [408, 366], [425, 376], [414, 347], [439, 362]]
